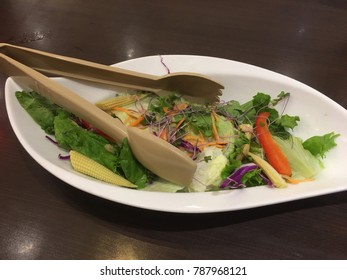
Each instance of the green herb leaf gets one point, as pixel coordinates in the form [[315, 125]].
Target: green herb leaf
[[252, 178], [159, 103], [201, 123], [231, 109], [283, 95], [261, 101], [279, 125], [320, 145], [287, 121]]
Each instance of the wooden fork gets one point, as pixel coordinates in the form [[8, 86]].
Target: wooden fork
[[196, 87]]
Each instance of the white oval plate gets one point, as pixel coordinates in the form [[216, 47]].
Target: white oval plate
[[318, 113]]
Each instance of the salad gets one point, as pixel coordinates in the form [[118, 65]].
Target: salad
[[235, 145]]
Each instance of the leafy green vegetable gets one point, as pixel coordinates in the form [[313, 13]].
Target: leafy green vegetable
[[279, 125], [55, 120], [216, 133], [40, 109], [119, 159], [225, 128], [283, 95], [301, 161], [261, 101], [207, 158], [230, 167], [231, 109], [70, 136], [208, 173], [232, 151], [157, 104], [201, 123], [247, 112], [252, 178], [320, 145], [131, 168], [287, 121]]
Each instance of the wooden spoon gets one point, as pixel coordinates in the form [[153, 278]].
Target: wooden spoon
[[157, 155], [196, 87]]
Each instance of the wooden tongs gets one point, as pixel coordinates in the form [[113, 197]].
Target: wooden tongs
[[160, 157]]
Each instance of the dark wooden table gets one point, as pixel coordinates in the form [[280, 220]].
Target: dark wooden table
[[41, 217]]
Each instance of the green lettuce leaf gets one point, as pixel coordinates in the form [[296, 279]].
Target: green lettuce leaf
[[40, 109], [118, 159], [287, 121], [70, 136], [320, 145], [301, 161], [132, 169], [201, 123]]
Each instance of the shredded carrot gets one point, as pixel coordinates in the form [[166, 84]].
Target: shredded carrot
[[180, 122], [296, 181], [180, 106], [175, 109], [122, 109], [222, 142], [127, 111], [190, 137], [202, 143], [163, 134], [218, 144], [214, 128], [215, 115], [137, 121]]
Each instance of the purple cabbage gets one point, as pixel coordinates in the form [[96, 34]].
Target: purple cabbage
[[67, 157], [190, 148], [266, 179], [60, 156], [51, 140], [234, 180]]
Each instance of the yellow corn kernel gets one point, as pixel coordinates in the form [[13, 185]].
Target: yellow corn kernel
[[271, 173], [119, 101], [94, 169]]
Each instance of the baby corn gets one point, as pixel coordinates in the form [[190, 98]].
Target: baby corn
[[271, 173], [93, 169]]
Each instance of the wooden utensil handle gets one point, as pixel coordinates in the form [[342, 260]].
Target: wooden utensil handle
[[80, 69], [65, 98]]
